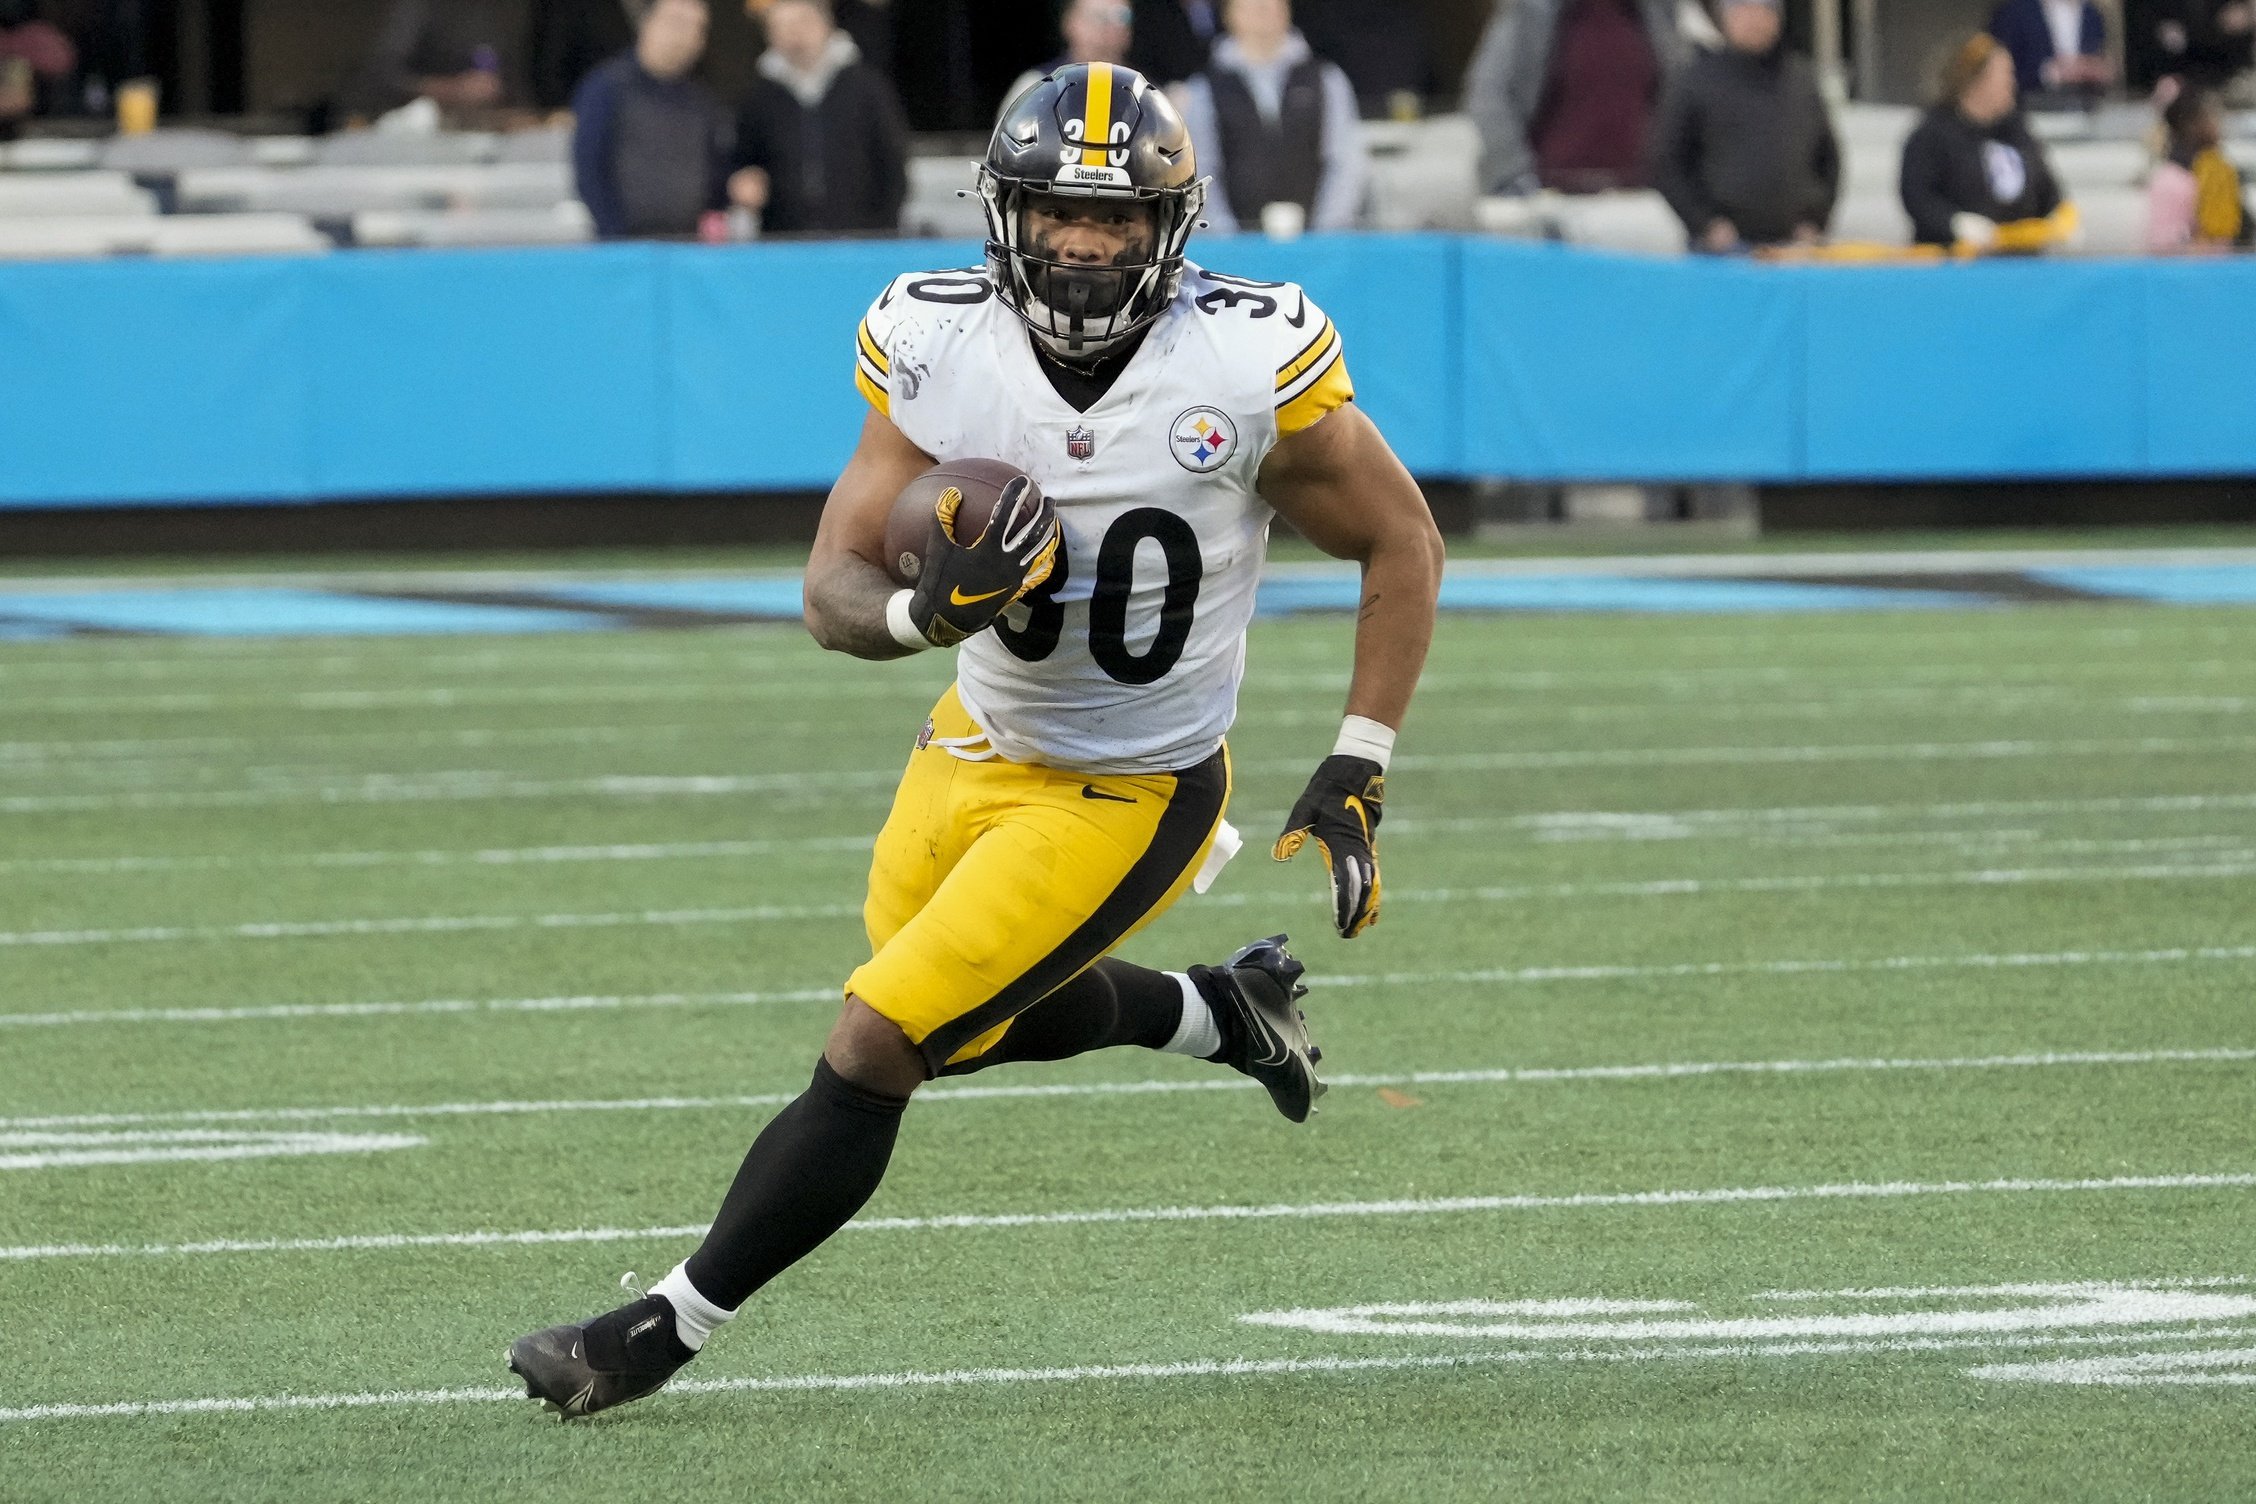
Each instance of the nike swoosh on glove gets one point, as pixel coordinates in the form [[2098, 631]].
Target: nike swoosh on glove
[[1340, 811], [966, 585]]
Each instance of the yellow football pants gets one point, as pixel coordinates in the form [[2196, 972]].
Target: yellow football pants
[[994, 883]]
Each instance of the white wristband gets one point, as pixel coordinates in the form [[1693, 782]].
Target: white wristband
[[897, 622], [1360, 736]]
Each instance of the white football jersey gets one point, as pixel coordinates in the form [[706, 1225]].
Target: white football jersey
[[1128, 659]]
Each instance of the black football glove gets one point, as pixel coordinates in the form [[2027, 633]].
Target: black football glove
[[1341, 810], [966, 584]]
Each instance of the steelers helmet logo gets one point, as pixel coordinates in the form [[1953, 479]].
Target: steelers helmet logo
[[1204, 440]]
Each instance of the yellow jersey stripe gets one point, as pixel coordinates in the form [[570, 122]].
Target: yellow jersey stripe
[[1096, 130], [1332, 389], [877, 356], [878, 397], [1309, 358]]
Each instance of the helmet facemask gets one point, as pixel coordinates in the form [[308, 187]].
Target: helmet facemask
[[1078, 311]]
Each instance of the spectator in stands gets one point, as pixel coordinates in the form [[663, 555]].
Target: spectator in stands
[[1971, 165], [822, 145], [2059, 48], [465, 56], [652, 147], [37, 64], [1174, 38], [1743, 149], [571, 37], [1275, 124], [1563, 92], [1379, 44], [868, 22], [2206, 43], [1094, 31], [2193, 199]]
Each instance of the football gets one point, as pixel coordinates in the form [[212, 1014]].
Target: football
[[978, 485]]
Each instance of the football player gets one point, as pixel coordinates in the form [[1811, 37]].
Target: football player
[[1070, 786]]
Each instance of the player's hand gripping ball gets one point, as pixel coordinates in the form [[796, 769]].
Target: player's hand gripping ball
[[1340, 811], [969, 538]]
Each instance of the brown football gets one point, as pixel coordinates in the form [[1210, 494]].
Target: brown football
[[978, 485]]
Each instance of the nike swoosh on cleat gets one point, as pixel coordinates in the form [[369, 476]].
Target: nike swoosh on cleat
[[1090, 791], [956, 597]]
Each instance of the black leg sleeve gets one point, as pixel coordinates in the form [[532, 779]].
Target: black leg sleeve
[[815, 1165], [1112, 1003]]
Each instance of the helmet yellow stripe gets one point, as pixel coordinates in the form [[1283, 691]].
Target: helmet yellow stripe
[[1096, 129]]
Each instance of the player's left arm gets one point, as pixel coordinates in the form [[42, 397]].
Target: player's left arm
[[1340, 484]]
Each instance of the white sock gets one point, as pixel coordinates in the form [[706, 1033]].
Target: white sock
[[1197, 1034], [695, 1317]]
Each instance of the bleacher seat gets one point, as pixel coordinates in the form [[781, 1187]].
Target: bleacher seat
[[1632, 220], [935, 207], [1424, 174], [2111, 221], [376, 148], [79, 193], [235, 235], [2085, 164], [549, 144], [163, 153], [1872, 215], [282, 151], [564, 224], [71, 237], [79, 236], [50, 154], [341, 192]]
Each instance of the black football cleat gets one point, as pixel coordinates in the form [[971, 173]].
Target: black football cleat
[[1255, 996], [619, 1356]]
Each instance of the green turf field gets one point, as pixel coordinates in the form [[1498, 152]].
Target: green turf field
[[502, 937]]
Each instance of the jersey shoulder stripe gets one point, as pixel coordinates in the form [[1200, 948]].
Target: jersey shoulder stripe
[[1310, 357], [873, 371], [1314, 382]]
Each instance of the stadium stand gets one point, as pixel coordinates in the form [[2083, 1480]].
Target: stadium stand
[[474, 188]]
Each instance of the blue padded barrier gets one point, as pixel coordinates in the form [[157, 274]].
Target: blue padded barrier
[[687, 368]]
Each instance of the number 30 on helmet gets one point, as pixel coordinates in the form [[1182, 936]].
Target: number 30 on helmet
[[1098, 131]]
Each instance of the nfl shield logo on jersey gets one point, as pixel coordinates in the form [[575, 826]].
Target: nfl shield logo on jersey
[[1081, 443], [1204, 440]]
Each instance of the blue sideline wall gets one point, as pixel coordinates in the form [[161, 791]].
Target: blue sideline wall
[[682, 368]]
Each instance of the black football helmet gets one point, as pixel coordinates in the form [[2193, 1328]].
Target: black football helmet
[[1100, 131]]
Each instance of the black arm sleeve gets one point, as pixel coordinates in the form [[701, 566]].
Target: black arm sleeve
[[1826, 167], [1674, 159], [1921, 184]]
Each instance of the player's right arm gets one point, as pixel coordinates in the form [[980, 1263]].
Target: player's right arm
[[847, 588]]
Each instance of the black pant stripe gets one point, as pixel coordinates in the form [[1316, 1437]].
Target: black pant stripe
[[1191, 813]]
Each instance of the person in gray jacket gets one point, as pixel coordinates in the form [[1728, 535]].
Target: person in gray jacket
[[1518, 73], [1743, 149], [1274, 123]]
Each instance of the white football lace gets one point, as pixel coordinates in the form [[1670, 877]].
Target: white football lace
[[633, 1286], [975, 748]]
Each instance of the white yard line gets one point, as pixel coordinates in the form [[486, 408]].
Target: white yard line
[[1548, 826], [1892, 1190], [946, 1092], [2225, 866], [451, 785], [586, 1003], [48, 1150], [1129, 1372], [1481, 977], [509, 856], [428, 924]]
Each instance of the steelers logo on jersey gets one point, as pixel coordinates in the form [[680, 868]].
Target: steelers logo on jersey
[[1204, 440]]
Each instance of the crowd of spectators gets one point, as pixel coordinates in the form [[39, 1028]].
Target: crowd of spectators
[[1701, 101]]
